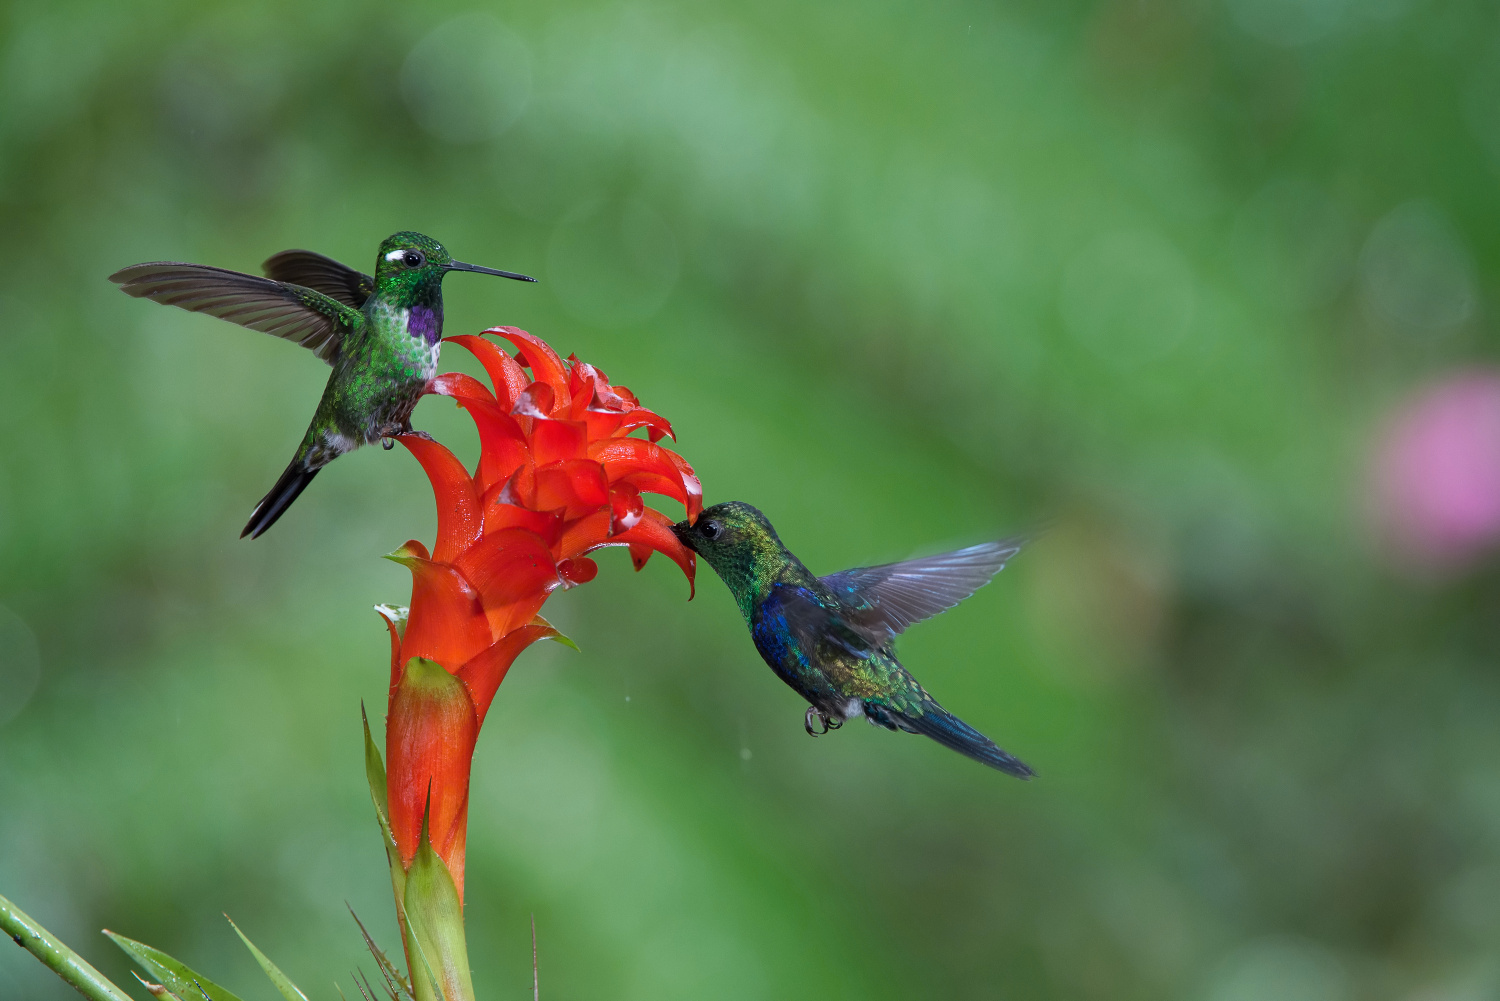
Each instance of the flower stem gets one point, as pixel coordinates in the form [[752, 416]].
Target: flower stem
[[61, 960]]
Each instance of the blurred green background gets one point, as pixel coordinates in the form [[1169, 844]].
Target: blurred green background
[[905, 275]]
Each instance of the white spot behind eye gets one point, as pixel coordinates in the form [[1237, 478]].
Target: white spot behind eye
[[395, 255]]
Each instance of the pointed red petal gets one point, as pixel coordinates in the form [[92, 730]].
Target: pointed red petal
[[577, 485], [484, 673], [459, 387], [654, 531], [555, 441], [626, 507], [390, 625], [504, 371], [536, 400], [653, 483], [413, 548], [447, 623], [627, 456], [520, 489], [431, 728], [502, 444], [499, 515], [545, 365], [641, 417], [588, 532], [459, 518], [511, 569], [690, 483], [602, 423], [583, 393]]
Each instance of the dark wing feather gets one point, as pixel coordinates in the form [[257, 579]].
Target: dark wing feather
[[800, 615], [947, 729], [882, 601], [291, 312], [321, 274]]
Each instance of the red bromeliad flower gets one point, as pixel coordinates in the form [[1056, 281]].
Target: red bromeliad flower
[[559, 476]]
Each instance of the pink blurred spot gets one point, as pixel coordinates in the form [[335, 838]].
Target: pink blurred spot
[[1437, 473]]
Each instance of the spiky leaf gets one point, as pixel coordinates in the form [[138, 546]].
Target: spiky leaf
[[437, 920], [180, 980], [283, 983], [67, 964], [375, 775], [400, 986]]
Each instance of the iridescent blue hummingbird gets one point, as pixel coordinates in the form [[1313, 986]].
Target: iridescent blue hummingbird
[[382, 336], [833, 639]]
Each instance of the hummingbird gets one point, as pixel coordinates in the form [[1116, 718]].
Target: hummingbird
[[832, 639], [381, 335]]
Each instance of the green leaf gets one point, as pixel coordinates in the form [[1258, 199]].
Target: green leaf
[[554, 634], [387, 968], [185, 983], [436, 919], [423, 988], [67, 964], [283, 983], [375, 771], [375, 775]]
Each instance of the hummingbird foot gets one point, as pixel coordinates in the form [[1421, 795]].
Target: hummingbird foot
[[825, 722], [388, 443]]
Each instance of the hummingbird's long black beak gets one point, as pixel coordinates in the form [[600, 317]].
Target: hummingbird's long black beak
[[461, 266], [684, 536]]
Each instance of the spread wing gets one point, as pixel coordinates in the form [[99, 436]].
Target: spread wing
[[321, 274], [880, 602], [288, 311]]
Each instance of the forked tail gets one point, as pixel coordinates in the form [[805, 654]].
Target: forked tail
[[274, 504], [947, 729]]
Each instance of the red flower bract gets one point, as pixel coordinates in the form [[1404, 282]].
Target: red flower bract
[[560, 474]]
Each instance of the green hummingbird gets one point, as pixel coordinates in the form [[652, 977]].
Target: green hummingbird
[[832, 639], [382, 336]]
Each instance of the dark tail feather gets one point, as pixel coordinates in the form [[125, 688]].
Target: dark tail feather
[[274, 504], [950, 731]]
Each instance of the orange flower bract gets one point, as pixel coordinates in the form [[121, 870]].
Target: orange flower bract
[[561, 473]]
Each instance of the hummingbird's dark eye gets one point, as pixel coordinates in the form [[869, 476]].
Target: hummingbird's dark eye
[[413, 259], [711, 529]]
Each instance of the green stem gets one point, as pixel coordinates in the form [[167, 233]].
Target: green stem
[[61, 960]]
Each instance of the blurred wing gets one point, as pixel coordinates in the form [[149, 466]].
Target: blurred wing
[[321, 274], [288, 311], [882, 601]]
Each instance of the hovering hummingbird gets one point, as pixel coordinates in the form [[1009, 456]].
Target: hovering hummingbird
[[382, 336], [832, 639]]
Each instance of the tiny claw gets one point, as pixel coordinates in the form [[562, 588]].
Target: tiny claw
[[813, 712], [388, 443], [832, 722]]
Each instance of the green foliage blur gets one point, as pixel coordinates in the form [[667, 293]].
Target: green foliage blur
[[904, 275]]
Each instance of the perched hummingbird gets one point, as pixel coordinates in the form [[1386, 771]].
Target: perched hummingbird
[[833, 638], [382, 336]]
